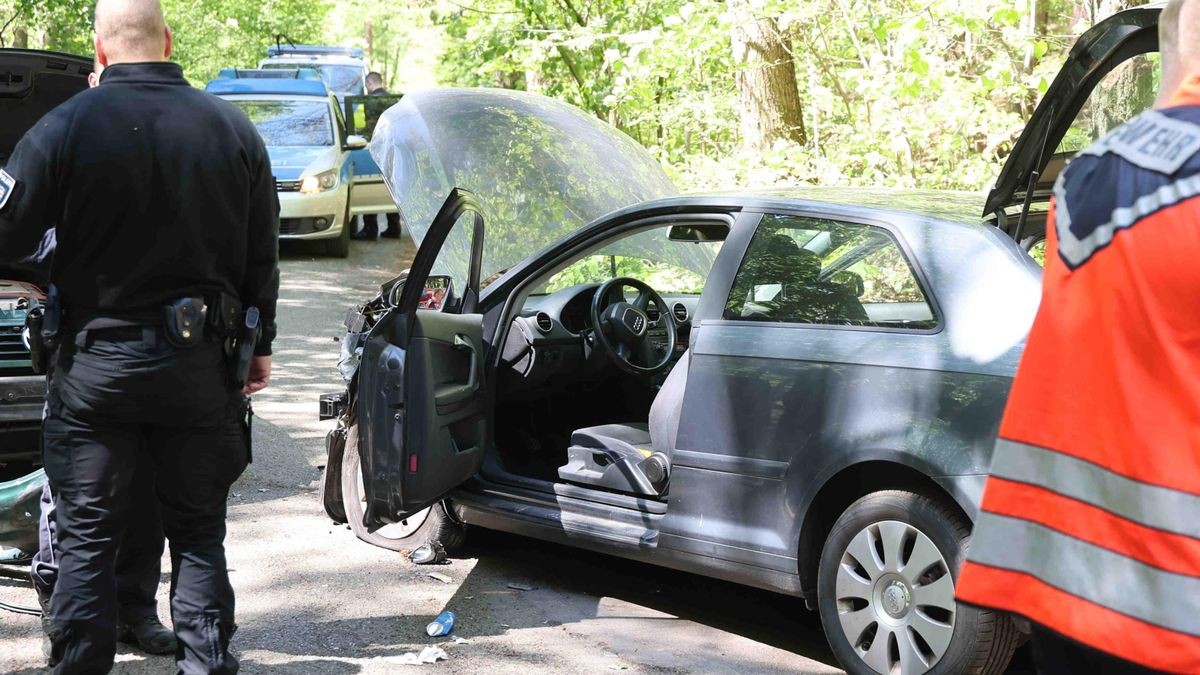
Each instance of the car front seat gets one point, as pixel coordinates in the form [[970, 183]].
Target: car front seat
[[634, 458]]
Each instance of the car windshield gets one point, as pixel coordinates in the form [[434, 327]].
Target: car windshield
[[290, 123], [541, 169], [671, 267], [341, 80]]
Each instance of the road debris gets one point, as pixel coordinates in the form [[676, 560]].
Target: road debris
[[442, 625], [430, 654], [441, 577], [428, 554], [521, 587]]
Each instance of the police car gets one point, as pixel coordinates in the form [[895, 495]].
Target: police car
[[310, 151], [344, 71]]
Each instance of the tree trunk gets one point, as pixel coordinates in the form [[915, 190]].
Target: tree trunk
[[765, 76]]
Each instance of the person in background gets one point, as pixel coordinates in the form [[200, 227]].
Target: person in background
[[139, 557], [1089, 522], [370, 230]]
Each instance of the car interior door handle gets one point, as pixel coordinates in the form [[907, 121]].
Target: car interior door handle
[[453, 394]]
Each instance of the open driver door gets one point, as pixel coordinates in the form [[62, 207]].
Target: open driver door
[[424, 414]]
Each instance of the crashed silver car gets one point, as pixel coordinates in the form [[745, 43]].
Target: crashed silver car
[[796, 390]]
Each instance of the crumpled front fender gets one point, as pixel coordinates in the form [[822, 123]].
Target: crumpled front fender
[[19, 506]]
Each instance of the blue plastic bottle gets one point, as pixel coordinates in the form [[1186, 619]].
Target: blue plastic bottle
[[442, 625]]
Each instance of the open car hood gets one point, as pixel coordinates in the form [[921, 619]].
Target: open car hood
[[32, 83], [1097, 52], [540, 169]]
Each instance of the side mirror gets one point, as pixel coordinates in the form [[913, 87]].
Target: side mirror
[[355, 142], [438, 288]]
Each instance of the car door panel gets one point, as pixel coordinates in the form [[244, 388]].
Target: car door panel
[[814, 400], [447, 418], [423, 414]]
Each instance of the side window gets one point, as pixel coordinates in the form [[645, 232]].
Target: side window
[[454, 261], [817, 271]]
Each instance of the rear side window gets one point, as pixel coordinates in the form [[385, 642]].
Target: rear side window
[[817, 271]]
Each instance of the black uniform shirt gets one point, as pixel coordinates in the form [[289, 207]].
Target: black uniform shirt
[[158, 191]]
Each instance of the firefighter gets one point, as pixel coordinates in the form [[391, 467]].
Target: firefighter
[[1090, 521]]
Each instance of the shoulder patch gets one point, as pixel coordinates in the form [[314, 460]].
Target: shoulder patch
[[7, 183], [1152, 141]]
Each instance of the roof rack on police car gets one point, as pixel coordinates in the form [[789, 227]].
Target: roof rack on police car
[[314, 50], [296, 73]]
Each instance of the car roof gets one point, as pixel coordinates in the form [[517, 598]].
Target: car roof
[[319, 59], [947, 207], [268, 86], [318, 50]]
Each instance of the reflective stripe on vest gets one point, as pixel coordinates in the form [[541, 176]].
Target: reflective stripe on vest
[[1090, 572], [1104, 559], [1142, 503], [1076, 251]]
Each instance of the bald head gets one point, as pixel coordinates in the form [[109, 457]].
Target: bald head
[[1179, 44], [131, 31]]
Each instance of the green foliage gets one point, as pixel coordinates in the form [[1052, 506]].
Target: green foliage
[[209, 35], [662, 277], [928, 93], [216, 34]]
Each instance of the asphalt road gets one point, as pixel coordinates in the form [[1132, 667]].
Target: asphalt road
[[313, 599]]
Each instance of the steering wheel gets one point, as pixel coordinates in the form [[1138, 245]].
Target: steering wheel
[[622, 328]]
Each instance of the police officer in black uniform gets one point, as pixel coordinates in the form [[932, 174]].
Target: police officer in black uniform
[[167, 229], [139, 555], [370, 230]]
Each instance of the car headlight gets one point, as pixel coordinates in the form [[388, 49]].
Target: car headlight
[[319, 182]]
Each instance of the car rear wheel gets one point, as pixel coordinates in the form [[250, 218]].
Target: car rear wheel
[[885, 591], [429, 525]]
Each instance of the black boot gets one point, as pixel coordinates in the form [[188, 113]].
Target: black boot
[[370, 229], [148, 634], [393, 227], [47, 628]]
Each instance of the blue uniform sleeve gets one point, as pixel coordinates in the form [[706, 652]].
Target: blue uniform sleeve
[[29, 193]]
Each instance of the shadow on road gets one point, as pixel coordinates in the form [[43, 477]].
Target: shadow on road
[[587, 580]]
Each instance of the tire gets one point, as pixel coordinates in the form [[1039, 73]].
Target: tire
[[433, 524], [882, 608], [340, 247]]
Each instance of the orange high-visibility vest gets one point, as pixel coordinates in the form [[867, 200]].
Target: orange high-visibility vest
[[1090, 521]]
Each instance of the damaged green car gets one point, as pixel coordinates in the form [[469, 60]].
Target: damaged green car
[[32, 83]]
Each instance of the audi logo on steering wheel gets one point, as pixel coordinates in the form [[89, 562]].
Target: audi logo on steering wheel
[[635, 320]]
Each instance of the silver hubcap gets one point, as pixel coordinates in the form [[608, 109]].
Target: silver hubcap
[[895, 599], [398, 530]]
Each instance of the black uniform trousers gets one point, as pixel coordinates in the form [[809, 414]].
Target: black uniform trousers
[[116, 393], [139, 555], [1055, 654], [371, 224]]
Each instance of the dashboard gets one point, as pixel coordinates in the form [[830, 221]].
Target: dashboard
[[552, 333]]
